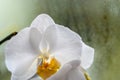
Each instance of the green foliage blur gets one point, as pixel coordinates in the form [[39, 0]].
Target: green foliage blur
[[97, 22]]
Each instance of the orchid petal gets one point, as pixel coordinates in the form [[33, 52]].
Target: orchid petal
[[35, 38], [42, 22], [75, 74], [44, 46], [64, 71], [61, 74], [31, 71], [87, 56], [64, 44], [20, 55], [36, 77]]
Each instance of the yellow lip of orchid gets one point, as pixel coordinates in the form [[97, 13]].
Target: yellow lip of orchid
[[47, 66]]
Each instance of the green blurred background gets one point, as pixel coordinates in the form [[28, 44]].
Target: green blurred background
[[97, 21]]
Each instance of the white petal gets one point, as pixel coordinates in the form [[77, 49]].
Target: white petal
[[75, 74], [61, 74], [42, 22], [30, 72], [63, 43], [19, 54], [36, 77], [87, 56], [35, 38], [44, 46], [50, 36]]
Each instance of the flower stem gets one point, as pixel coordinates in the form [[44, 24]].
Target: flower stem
[[87, 76], [8, 37]]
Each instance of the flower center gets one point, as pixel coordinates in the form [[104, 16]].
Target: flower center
[[47, 66]]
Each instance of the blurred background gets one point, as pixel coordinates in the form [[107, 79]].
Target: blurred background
[[97, 22]]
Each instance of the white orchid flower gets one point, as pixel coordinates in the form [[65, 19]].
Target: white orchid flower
[[47, 51]]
